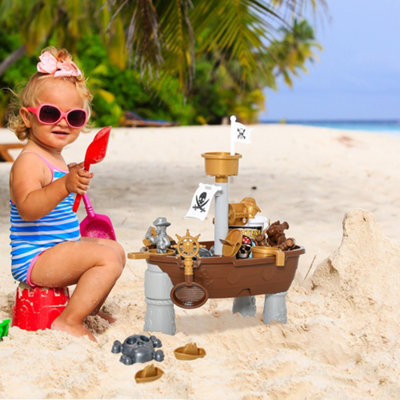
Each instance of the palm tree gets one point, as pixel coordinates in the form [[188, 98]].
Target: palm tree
[[156, 36], [38, 21]]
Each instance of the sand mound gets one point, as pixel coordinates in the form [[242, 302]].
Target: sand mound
[[358, 284], [364, 268]]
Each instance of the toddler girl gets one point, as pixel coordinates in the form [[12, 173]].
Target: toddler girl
[[46, 247]]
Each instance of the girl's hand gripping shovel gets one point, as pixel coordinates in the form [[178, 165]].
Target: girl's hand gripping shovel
[[94, 154], [96, 225]]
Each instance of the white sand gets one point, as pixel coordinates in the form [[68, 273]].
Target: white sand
[[342, 336]]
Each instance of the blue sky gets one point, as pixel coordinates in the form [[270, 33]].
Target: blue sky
[[358, 72]]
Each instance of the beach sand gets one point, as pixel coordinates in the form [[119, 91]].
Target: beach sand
[[338, 190]]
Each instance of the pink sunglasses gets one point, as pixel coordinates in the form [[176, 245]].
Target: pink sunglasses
[[48, 114]]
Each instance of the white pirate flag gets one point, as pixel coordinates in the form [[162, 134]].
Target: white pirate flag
[[240, 133], [201, 201]]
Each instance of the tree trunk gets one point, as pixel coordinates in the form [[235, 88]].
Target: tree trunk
[[11, 59]]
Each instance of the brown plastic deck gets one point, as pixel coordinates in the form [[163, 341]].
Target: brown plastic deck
[[224, 276]]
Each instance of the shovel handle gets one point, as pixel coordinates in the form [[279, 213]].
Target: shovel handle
[[88, 205], [76, 203], [78, 197]]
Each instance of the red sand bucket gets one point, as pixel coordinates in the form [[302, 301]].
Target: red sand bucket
[[37, 308]]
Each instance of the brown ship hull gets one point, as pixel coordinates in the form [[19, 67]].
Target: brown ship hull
[[224, 276]]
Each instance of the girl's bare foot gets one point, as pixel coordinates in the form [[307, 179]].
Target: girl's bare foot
[[74, 330], [107, 317]]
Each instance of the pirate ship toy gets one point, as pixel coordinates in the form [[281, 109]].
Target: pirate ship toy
[[184, 277]]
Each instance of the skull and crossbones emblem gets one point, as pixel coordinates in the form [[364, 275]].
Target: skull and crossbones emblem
[[201, 202], [241, 132]]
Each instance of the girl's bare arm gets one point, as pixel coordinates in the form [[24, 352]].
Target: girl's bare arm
[[32, 192]]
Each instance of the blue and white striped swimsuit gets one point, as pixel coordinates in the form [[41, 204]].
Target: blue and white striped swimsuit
[[29, 239]]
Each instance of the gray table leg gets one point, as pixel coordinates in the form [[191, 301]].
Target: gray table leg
[[160, 313], [275, 308], [246, 306]]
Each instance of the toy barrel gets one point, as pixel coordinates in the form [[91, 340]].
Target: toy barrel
[[237, 214], [37, 308]]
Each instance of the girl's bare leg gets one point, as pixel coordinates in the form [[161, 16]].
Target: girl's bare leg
[[93, 266], [115, 245]]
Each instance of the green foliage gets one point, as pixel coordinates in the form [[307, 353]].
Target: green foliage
[[189, 61], [117, 91], [8, 44], [114, 91], [14, 78]]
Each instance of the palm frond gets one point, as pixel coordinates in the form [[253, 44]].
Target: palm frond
[[179, 41], [143, 40]]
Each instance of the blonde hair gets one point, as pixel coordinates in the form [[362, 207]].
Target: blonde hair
[[28, 95]]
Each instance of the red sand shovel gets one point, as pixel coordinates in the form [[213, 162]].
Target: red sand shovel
[[96, 225], [94, 154]]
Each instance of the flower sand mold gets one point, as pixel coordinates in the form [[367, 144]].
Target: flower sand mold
[[4, 325]]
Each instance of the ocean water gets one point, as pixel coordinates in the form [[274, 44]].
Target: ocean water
[[384, 126]]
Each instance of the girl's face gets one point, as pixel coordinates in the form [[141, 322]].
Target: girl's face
[[65, 96]]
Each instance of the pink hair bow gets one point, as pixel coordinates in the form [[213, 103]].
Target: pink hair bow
[[49, 65]]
